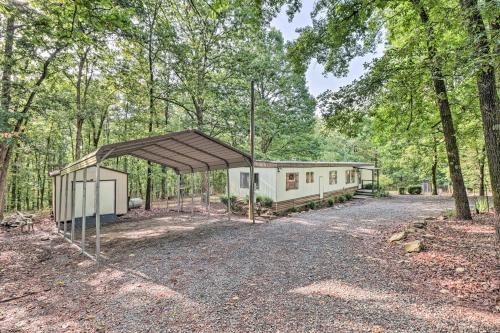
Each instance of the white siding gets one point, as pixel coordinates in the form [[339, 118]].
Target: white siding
[[267, 182], [307, 189], [273, 182], [109, 202]]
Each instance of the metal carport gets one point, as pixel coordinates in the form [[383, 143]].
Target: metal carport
[[184, 152]]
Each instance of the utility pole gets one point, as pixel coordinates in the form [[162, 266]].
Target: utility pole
[[251, 214]]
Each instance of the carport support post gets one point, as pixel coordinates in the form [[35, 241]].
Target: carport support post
[[228, 195], [97, 195], [192, 193], [59, 215], [179, 194], [66, 204], [73, 189], [208, 192], [84, 208]]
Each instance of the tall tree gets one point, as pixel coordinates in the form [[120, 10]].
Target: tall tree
[[342, 30]]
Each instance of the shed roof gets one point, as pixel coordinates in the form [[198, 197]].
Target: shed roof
[[186, 151]]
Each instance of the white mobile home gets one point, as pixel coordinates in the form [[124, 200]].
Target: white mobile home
[[113, 199], [295, 183]]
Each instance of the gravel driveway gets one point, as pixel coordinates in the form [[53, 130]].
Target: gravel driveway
[[313, 272]]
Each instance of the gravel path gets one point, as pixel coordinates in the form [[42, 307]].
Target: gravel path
[[313, 272]]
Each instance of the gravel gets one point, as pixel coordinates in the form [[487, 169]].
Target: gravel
[[317, 271]]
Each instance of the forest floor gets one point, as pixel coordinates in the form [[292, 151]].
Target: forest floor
[[328, 270]]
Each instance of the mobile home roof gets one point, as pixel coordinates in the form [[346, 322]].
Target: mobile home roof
[[309, 164]]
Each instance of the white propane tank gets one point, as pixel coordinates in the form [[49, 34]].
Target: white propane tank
[[135, 203]]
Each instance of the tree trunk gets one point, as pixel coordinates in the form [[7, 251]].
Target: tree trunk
[[488, 97], [434, 171], [80, 117], [149, 179], [5, 150], [459, 192], [13, 188], [481, 179]]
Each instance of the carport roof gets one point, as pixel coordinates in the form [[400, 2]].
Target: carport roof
[[186, 151]]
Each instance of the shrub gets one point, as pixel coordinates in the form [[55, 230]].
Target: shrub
[[368, 186], [381, 194], [223, 200], [449, 213], [348, 196], [264, 201], [330, 202], [339, 198], [481, 205], [311, 205], [415, 189], [402, 190], [292, 210]]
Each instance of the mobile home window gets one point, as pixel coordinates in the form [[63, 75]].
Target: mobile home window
[[348, 176], [333, 177], [310, 177], [292, 181], [353, 176], [245, 180]]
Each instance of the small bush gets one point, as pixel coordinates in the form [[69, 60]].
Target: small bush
[[311, 205], [223, 200], [292, 210], [481, 205], [368, 186], [264, 201], [449, 213], [415, 189], [330, 202], [339, 198], [348, 196], [402, 190], [381, 194]]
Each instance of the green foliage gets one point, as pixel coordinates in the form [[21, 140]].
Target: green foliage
[[330, 202], [223, 200], [348, 196], [367, 186], [415, 189], [381, 194], [312, 205], [481, 205], [450, 213], [340, 198], [264, 201]]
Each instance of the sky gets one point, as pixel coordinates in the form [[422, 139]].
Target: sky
[[316, 81]]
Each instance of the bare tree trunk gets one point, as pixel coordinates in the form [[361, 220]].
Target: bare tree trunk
[[488, 97], [80, 117], [481, 179], [149, 179], [434, 170], [13, 188], [459, 192], [5, 149]]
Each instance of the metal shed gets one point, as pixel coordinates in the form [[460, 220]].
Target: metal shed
[[114, 184], [184, 152]]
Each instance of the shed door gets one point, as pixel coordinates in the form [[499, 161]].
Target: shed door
[[107, 198]]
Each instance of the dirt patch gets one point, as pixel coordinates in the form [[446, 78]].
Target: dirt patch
[[320, 270], [458, 261]]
